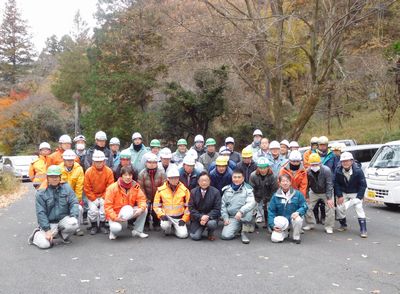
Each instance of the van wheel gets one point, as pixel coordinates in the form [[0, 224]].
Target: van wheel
[[391, 205]]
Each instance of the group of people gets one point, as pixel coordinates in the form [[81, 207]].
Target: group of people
[[193, 190]]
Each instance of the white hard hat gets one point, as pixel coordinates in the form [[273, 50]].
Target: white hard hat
[[295, 155], [98, 155], [100, 135], [115, 141], [257, 133], [229, 140], [323, 140], [189, 160], [294, 144], [80, 138], [199, 138], [69, 155], [281, 222], [166, 153], [192, 153], [224, 151], [274, 145], [285, 142], [65, 139], [151, 157], [126, 212], [346, 156], [44, 145], [172, 172], [136, 135]]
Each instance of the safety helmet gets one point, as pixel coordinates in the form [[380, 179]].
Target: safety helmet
[[125, 154], [229, 140], [221, 161], [136, 135], [69, 155], [257, 132], [65, 139], [151, 157], [314, 159], [314, 140], [189, 160], [173, 172], [165, 153], [126, 212], [98, 155], [323, 140], [346, 156], [44, 145], [54, 170], [199, 138], [181, 142], [247, 152], [224, 151], [274, 145], [295, 155], [192, 153], [155, 143], [211, 141], [79, 138], [285, 142], [263, 162], [115, 141], [101, 136], [294, 144]]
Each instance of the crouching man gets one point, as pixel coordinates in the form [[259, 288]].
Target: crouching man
[[56, 210], [237, 207], [124, 201], [290, 204]]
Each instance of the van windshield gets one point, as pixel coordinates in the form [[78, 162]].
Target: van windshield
[[387, 157]]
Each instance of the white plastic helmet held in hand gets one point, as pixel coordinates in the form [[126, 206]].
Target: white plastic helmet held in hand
[[257, 132], [281, 222], [101, 136], [69, 155], [229, 140], [65, 139], [98, 156], [166, 153], [285, 142], [115, 141], [294, 144], [44, 145], [295, 155], [136, 135], [274, 145], [192, 153], [346, 156], [126, 212], [189, 160], [173, 172], [199, 138]]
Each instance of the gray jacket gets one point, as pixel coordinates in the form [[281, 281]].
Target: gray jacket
[[178, 157], [53, 204], [241, 200], [206, 159], [321, 182], [263, 186], [235, 156]]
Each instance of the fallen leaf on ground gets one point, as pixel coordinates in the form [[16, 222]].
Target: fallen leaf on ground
[[85, 281], [335, 285]]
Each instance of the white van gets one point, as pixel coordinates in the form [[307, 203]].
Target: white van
[[383, 175], [363, 153]]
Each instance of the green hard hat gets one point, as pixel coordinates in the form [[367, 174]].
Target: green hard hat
[[181, 142], [54, 170], [211, 141], [125, 154], [263, 162], [155, 143]]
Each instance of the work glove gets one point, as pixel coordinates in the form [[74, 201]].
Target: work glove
[[181, 223], [164, 218]]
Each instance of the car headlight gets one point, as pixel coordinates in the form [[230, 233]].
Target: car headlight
[[394, 176]]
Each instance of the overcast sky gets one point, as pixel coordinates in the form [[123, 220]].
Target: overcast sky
[[48, 17]]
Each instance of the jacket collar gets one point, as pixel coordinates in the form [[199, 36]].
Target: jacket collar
[[279, 193]]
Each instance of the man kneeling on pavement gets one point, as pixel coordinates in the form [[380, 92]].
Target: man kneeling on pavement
[[56, 210]]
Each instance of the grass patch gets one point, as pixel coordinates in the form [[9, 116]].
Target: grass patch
[[8, 184]]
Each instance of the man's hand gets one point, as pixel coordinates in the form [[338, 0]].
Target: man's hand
[[295, 215], [276, 229], [238, 216], [226, 222], [138, 212], [339, 200], [49, 236], [119, 220], [330, 203], [181, 223]]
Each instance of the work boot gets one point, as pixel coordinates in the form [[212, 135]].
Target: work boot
[[343, 225], [94, 229], [103, 228], [245, 239], [130, 225], [363, 227], [85, 220]]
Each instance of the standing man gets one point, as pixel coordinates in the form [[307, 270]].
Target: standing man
[[137, 150], [295, 170], [80, 149], [294, 146], [264, 148], [97, 178], [180, 153], [247, 165], [100, 145], [230, 144], [285, 148], [350, 185], [210, 155], [255, 145], [165, 156], [275, 158], [114, 147], [188, 175], [221, 175], [199, 145], [205, 208], [38, 168], [171, 205], [56, 211], [328, 158], [313, 149], [237, 207], [320, 188]]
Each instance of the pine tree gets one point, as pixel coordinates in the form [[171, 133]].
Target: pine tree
[[16, 49]]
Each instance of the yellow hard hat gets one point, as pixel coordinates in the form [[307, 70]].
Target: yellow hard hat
[[247, 152], [314, 158], [221, 161]]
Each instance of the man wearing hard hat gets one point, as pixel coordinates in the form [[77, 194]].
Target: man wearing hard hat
[[100, 145], [38, 168]]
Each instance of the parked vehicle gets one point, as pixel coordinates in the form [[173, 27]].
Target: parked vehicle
[[383, 175], [363, 153], [347, 142], [18, 165]]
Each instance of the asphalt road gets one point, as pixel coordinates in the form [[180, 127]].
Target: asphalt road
[[338, 263]]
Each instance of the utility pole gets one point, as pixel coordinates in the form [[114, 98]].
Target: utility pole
[[76, 97]]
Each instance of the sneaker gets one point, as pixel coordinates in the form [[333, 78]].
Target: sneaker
[[342, 228], [259, 219], [30, 239], [245, 239], [112, 236], [329, 230], [139, 234], [94, 230], [297, 241], [363, 235], [308, 227]]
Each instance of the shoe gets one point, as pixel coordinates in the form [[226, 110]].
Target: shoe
[[103, 228], [30, 239], [79, 232], [363, 227], [297, 241], [245, 239], [259, 219], [329, 230], [94, 229], [211, 237], [308, 228], [112, 236], [130, 225], [343, 225], [139, 234], [66, 240], [323, 221]]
